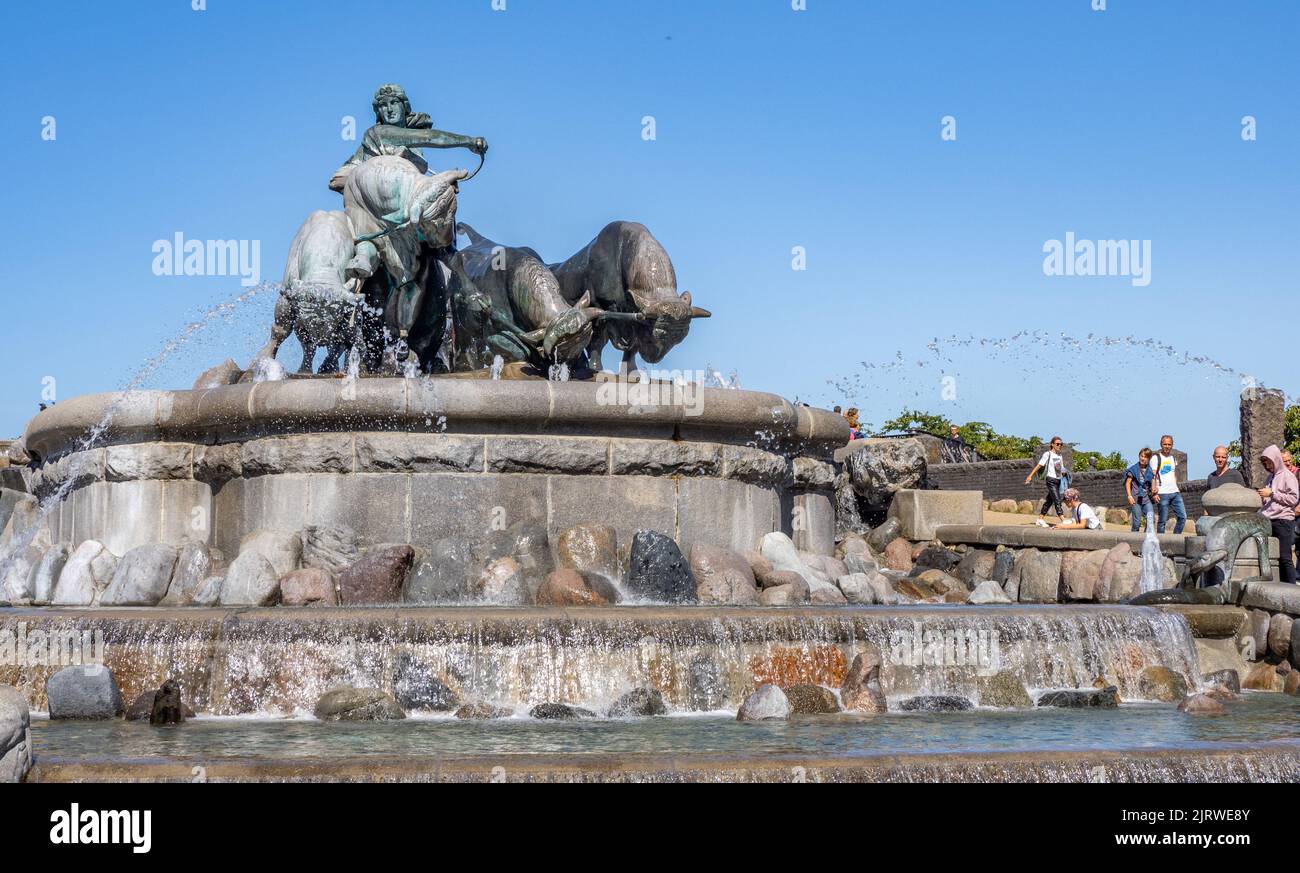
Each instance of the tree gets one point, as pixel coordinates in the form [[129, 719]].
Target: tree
[[1291, 430], [990, 444]]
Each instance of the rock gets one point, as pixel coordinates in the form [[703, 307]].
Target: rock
[[1263, 677], [142, 708], [852, 544], [857, 588], [936, 703], [657, 571], [1201, 704], [976, 566], [251, 580], [939, 581], [1291, 685], [1259, 619], [767, 703], [482, 711], [879, 468], [791, 594], [935, 558], [882, 590], [808, 699], [827, 595], [761, 567], [349, 703], [45, 576], [1081, 574], [1003, 690], [15, 736], [988, 592], [1012, 590], [777, 578], [142, 577], [860, 691], [193, 566], [898, 555], [568, 587], [501, 583], [1202, 596], [639, 702], [780, 550], [19, 568], [378, 576], [1027, 507], [329, 547], [1006, 504], [88, 692], [526, 541], [309, 586], [283, 549], [1103, 698], [1004, 560], [1038, 576], [1120, 577], [1161, 683], [1116, 516], [225, 373], [722, 576], [417, 686], [1279, 635], [559, 711], [209, 591], [443, 576], [1227, 678], [886, 533], [589, 549], [706, 690]]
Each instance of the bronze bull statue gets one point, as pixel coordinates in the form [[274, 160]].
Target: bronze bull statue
[[626, 273]]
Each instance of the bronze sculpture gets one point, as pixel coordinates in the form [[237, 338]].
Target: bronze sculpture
[[629, 275], [384, 276]]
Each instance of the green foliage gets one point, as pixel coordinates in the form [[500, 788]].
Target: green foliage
[[1292, 430], [988, 442], [909, 420], [1084, 461]]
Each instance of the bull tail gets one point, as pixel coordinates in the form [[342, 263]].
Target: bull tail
[[474, 236]]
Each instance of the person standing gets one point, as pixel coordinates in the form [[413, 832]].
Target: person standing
[[1137, 486], [1295, 471], [1167, 496], [1053, 467], [1281, 497], [1223, 474]]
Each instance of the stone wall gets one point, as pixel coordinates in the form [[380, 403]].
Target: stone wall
[[1006, 479]]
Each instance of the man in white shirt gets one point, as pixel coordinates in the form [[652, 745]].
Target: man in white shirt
[[1053, 467], [1164, 466], [1082, 516]]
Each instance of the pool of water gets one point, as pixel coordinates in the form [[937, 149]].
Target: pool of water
[[1257, 718]]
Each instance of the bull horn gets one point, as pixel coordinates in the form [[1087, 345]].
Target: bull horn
[[533, 337], [697, 312], [639, 317], [593, 312], [584, 300]]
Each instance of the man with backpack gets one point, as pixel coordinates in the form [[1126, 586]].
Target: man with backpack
[[1166, 494]]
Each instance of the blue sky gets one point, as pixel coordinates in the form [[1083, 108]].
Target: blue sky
[[775, 128]]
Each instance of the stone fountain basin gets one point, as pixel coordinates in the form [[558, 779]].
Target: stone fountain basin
[[418, 460]]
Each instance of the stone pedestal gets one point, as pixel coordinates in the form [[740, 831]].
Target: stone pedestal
[[1263, 416]]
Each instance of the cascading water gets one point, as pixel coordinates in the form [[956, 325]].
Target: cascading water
[[1153, 560], [282, 660]]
